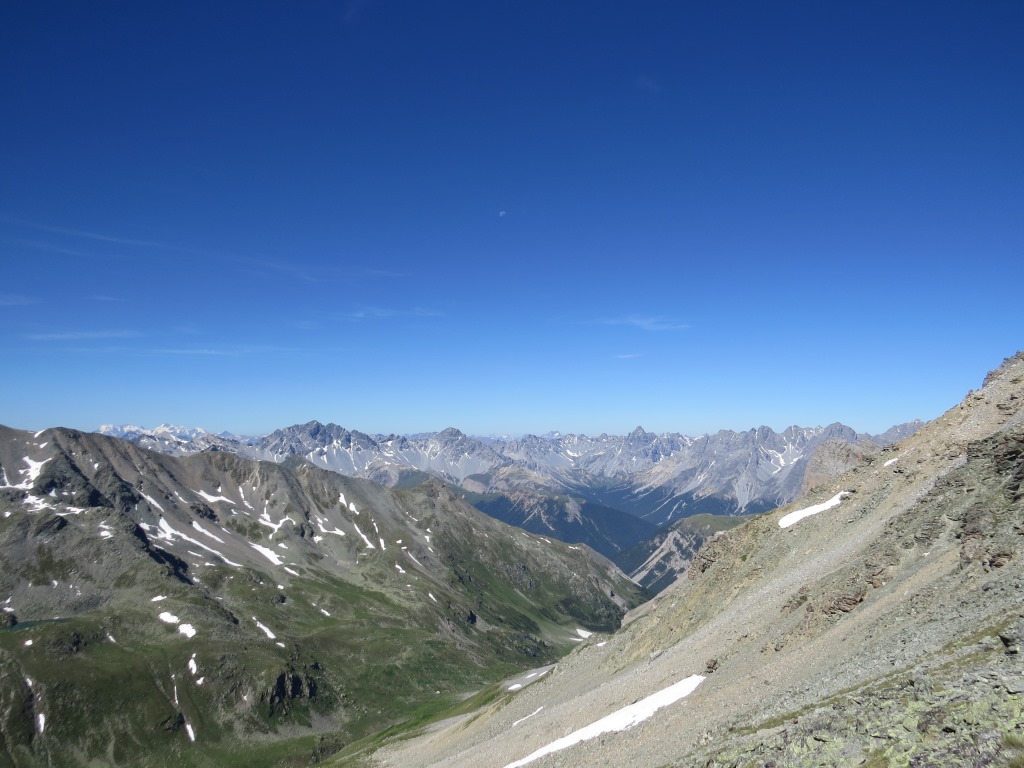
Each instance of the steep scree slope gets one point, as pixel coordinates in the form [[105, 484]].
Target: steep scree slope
[[886, 629]]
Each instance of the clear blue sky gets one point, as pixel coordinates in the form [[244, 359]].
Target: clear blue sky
[[508, 216]]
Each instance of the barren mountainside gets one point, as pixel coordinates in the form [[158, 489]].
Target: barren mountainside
[[878, 621]]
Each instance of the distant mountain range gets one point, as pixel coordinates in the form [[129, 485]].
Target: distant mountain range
[[613, 493]]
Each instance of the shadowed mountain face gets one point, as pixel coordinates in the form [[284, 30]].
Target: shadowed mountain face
[[212, 609], [875, 621]]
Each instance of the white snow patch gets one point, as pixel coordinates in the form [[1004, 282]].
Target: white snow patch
[[282, 645], [293, 573], [158, 598], [28, 643], [35, 502], [400, 568], [242, 494], [264, 519], [431, 597], [325, 613], [583, 633], [192, 667], [151, 501], [795, 517], [266, 631], [890, 462], [187, 630], [369, 544], [41, 723], [522, 719], [200, 528], [191, 733], [337, 531], [168, 617], [270, 554], [32, 473], [515, 686], [168, 534], [619, 720], [212, 498], [111, 639]]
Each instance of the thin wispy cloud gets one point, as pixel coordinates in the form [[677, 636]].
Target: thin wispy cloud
[[51, 248], [83, 335], [98, 236], [15, 300], [354, 9], [645, 83], [647, 323], [199, 352], [385, 273], [629, 356], [384, 313]]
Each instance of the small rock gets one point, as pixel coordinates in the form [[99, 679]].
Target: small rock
[[1013, 684], [710, 666], [1013, 636]]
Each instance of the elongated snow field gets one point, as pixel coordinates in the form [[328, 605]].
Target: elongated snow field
[[619, 720], [795, 517]]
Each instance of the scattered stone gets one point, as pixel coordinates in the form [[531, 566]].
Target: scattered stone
[[1012, 637]]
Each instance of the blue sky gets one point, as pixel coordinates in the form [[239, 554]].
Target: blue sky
[[507, 216]]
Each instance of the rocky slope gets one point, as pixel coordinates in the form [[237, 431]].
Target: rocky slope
[[211, 609], [877, 621]]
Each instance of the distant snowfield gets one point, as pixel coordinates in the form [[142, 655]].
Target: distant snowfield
[[266, 631], [32, 474], [167, 533], [270, 554], [619, 720], [795, 517]]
